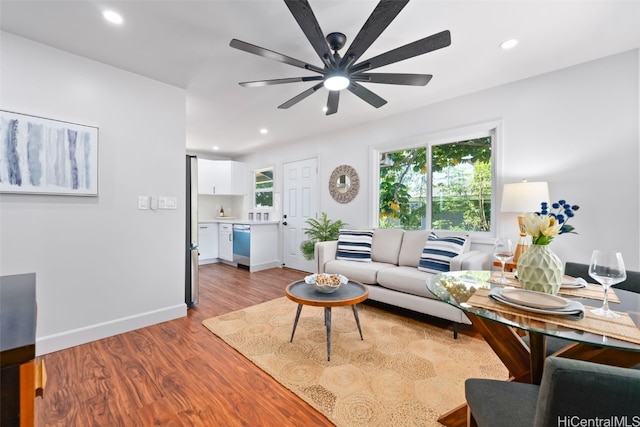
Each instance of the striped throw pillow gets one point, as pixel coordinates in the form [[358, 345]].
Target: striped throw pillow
[[354, 245], [438, 251]]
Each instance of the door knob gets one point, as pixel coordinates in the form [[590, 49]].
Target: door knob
[[284, 223]]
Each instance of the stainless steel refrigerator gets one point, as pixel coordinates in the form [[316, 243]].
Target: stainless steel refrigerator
[[191, 289]]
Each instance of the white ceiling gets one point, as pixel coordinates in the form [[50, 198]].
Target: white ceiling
[[186, 44]]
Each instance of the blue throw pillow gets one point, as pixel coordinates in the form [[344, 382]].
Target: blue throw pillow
[[438, 251], [355, 245]]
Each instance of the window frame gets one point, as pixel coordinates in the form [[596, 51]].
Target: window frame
[[491, 128], [263, 190]]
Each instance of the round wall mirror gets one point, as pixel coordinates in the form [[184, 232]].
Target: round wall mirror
[[344, 184]]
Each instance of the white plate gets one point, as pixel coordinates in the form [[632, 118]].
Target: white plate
[[534, 299], [573, 309], [569, 282]]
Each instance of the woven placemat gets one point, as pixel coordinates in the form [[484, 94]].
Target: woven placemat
[[591, 291], [623, 329]]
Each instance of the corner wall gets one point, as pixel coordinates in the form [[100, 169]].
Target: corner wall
[[102, 266]]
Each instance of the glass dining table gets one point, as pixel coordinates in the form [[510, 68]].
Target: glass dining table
[[505, 328]]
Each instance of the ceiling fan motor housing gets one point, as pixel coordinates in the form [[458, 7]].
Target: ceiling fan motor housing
[[336, 41]]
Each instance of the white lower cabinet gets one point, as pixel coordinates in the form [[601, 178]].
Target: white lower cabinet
[[207, 242], [225, 242]]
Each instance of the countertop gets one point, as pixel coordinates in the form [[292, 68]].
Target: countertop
[[236, 221]]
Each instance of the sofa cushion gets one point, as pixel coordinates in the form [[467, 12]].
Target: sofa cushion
[[354, 245], [409, 280], [412, 245], [386, 244], [362, 272], [438, 251]]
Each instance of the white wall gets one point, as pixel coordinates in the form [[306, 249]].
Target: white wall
[[577, 128], [97, 259]]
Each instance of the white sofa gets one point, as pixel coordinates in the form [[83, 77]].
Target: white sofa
[[393, 275]]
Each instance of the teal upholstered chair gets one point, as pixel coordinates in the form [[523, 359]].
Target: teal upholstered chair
[[570, 390]]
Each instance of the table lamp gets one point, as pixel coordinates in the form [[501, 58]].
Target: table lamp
[[523, 197]]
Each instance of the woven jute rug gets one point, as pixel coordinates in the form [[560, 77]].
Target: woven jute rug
[[404, 372]]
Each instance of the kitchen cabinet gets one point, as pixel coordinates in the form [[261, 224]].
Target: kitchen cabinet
[[225, 242], [221, 177], [207, 242]]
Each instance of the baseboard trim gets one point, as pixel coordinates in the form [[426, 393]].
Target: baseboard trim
[[265, 266], [72, 338]]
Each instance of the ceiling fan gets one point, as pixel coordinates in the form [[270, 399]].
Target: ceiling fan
[[342, 72]]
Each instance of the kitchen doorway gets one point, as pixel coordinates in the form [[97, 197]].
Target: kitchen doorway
[[299, 203]]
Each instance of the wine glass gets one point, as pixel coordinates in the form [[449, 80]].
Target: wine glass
[[503, 252], [607, 268]]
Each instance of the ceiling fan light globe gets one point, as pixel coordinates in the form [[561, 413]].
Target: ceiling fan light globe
[[336, 82]]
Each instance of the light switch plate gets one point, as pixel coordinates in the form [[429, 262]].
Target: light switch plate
[[143, 202], [166, 202]]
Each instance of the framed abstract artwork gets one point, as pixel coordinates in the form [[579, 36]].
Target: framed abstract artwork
[[45, 156]]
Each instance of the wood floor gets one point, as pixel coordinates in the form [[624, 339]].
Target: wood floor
[[177, 373]]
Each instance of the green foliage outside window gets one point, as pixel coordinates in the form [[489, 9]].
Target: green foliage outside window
[[403, 189], [460, 182], [263, 190]]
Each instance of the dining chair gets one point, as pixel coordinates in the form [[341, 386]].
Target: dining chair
[[571, 391], [631, 284]]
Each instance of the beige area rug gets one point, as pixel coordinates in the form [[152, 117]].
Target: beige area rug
[[404, 372]]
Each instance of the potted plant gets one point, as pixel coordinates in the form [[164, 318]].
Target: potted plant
[[320, 230]]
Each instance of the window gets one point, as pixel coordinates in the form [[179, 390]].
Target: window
[[438, 186], [263, 188]]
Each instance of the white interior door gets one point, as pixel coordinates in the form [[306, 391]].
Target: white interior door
[[299, 202]]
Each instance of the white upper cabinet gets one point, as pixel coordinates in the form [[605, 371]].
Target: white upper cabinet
[[221, 177]]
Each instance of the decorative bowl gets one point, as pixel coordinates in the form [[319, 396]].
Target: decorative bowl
[[326, 283]]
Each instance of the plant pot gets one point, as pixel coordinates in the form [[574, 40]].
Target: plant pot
[[539, 269]]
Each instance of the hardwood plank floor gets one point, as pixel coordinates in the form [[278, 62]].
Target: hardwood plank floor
[[177, 373]]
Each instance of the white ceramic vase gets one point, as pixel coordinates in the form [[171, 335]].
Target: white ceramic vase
[[539, 269]]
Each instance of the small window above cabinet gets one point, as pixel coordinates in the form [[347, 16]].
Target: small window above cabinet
[[221, 177], [263, 188]]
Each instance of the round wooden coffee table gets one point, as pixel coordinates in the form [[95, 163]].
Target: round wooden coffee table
[[305, 294]]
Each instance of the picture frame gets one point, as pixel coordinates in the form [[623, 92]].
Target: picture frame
[[46, 156]]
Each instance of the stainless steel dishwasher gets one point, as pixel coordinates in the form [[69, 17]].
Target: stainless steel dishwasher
[[242, 244]]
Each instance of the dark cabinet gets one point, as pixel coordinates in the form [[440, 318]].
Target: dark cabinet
[[20, 376]]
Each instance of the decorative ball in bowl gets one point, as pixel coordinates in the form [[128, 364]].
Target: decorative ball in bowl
[[326, 283]]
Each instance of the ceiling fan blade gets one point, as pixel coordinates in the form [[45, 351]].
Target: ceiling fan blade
[[293, 101], [419, 47], [260, 83], [301, 11], [266, 53], [393, 78], [332, 102], [384, 13], [366, 95]]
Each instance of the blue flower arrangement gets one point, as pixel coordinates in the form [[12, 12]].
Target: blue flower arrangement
[[543, 226]]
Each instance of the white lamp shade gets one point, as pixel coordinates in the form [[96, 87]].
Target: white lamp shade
[[524, 196]]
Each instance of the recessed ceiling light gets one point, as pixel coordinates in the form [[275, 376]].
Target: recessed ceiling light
[[264, 131], [113, 17], [215, 148], [325, 109], [508, 44]]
